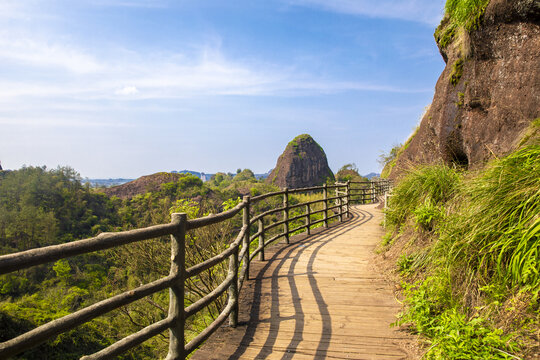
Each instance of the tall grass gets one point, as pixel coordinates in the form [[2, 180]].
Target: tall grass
[[483, 253], [460, 16], [434, 184], [497, 224], [465, 13]]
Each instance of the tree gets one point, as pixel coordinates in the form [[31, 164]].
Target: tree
[[387, 158], [349, 172]]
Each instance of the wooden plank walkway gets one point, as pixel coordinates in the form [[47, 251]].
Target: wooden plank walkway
[[317, 298]]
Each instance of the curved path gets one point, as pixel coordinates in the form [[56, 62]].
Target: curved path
[[317, 298]]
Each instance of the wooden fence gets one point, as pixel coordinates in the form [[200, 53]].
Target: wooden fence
[[238, 252], [366, 192]]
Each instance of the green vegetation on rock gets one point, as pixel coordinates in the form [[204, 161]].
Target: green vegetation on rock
[[465, 14], [294, 143], [457, 71], [349, 172]]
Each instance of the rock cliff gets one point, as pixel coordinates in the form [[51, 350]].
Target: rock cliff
[[302, 164], [489, 92]]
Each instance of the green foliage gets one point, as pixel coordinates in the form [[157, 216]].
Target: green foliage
[[457, 71], [231, 203], [483, 252], [427, 214], [244, 175], [40, 207], [387, 239], [461, 99], [294, 143], [62, 268], [404, 264], [349, 172], [388, 161], [498, 221], [187, 206], [186, 186], [451, 333], [466, 14], [532, 134], [423, 188]]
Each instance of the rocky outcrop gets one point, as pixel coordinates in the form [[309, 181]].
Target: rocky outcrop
[[489, 92], [302, 164]]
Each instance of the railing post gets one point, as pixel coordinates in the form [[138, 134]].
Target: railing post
[[339, 202], [261, 240], [176, 291], [233, 288], [372, 185], [286, 214], [348, 198], [364, 193], [246, 242], [325, 203], [308, 219]]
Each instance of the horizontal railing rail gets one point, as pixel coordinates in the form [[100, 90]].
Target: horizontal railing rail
[[237, 253]]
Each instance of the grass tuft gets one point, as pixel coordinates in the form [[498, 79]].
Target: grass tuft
[[459, 14]]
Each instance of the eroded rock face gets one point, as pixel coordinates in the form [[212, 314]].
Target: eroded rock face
[[302, 164], [484, 114]]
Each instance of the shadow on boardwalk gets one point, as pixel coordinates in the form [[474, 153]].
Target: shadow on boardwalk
[[316, 298]]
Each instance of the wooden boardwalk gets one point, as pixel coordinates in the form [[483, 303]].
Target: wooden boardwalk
[[317, 298]]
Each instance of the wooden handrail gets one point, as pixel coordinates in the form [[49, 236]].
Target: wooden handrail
[[33, 257], [237, 252]]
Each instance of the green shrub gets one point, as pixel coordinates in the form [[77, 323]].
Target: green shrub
[[435, 184], [427, 214], [388, 239], [405, 263], [452, 334]]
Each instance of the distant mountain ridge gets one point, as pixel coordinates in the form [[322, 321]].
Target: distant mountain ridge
[[372, 175], [206, 176], [120, 181], [106, 182]]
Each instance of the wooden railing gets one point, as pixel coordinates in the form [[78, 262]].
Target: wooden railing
[[366, 192], [237, 253]]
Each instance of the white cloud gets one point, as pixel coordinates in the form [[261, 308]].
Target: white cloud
[[44, 121], [131, 3], [425, 11], [44, 54], [127, 90], [10, 9]]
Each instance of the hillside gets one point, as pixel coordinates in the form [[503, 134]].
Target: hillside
[[144, 184]]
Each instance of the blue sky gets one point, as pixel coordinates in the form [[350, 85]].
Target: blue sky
[[124, 88]]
